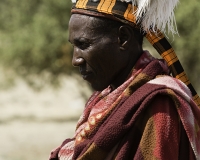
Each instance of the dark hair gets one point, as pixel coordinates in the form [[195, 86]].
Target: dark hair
[[105, 25]]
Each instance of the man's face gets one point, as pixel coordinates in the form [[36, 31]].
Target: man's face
[[98, 56]]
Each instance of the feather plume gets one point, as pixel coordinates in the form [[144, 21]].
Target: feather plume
[[156, 14]]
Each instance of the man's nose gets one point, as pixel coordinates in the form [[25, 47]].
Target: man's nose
[[77, 59]]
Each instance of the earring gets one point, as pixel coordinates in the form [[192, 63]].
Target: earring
[[124, 44], [122, 47]]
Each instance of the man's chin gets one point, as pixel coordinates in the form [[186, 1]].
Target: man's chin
[[98, 87]]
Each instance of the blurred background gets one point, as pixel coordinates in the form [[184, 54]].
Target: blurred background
[[41, 95]]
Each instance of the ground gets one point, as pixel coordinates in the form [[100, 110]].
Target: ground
[[33, 123]]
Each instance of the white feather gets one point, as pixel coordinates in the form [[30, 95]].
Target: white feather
[[156, 14]]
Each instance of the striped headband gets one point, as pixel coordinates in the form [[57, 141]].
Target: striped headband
[[124, 11]]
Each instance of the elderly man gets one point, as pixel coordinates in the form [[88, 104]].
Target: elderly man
[[138, 111]]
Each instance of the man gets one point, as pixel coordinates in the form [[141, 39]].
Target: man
[[138, 110]]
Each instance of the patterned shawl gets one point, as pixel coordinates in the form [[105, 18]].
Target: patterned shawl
[[147, 117]]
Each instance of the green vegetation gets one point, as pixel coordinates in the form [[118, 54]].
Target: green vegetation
[[187, 45], [33, 39]]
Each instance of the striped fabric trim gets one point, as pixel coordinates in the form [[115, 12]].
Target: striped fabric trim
[[124, 11], [81, 4], [128, 15], [106, 6]]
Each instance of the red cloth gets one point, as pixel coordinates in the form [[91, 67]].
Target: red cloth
[[147, 117]]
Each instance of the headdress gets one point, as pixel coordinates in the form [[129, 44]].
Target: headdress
[[153, 17]]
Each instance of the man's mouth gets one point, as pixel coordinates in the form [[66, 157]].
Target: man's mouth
[[86, 75]]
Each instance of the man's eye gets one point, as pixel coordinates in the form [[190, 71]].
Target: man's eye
[[82, 45]]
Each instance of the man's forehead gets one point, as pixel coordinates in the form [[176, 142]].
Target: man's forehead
[[82, 17], [81, 28], [85, 23]]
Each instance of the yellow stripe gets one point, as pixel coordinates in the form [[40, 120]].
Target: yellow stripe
[[170, 56], [129, 14], [100, 4], [153, 38], [81, 4], [111, 6], [106, 6], [196, 99], [183, 77]]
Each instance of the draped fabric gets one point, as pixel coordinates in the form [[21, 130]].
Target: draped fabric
[[147, 117]]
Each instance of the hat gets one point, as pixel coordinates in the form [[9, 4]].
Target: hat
[[152, 17]]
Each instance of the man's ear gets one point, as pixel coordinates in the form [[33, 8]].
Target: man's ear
[[125, 36]]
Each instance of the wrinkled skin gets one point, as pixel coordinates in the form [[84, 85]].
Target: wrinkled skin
[[103, 60]]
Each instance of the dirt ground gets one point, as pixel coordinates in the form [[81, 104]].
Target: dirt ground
[[33, 123]]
